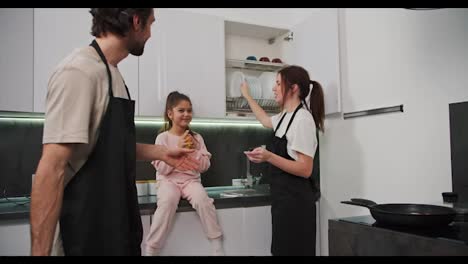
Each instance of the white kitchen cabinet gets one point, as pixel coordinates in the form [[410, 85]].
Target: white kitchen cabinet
[[185, 53], [315, 46], [381, 55], [15, 238], [243, 41], [188, 239], [257, 231], [16, 59], [312, 44], [246, 232], [57, 32], [146, 222]]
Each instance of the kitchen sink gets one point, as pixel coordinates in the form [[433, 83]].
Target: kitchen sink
[[237, 191], [241, 193]]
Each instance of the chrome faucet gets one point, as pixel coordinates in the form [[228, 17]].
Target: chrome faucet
[[256, 180], [249, 180]]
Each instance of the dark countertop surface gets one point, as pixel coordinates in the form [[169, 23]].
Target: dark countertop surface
[[17, 208], [456, 231]]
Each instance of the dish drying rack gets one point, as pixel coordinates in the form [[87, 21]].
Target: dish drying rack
[[240, 105]]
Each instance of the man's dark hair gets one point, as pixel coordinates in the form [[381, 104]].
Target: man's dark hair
[[116, 20]]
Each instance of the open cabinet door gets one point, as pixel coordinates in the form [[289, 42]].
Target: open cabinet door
[[314, 45]]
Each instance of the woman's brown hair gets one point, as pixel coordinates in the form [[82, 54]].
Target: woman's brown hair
[[294, 74]]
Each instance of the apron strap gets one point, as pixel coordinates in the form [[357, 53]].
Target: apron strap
[[292, 118], [103, 58], [281, 120], [95, 45], [128, 93]]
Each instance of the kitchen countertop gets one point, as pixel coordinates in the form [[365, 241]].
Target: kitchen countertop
[[224, 197], [363, 236], [456, 231]]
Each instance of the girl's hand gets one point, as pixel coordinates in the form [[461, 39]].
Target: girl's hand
[[258, 155], [186, 141]]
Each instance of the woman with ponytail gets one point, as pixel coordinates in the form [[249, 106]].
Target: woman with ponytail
[[290, 153]]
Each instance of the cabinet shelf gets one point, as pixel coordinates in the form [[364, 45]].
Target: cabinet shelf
[[253, 31], [254, 65]]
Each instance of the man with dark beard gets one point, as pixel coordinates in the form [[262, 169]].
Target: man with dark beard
[[84, 199]]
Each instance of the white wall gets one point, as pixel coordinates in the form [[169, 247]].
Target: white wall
[[394, 56]]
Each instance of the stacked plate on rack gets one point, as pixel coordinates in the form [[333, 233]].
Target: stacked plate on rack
[[268, 81], [237, 78], [255, 86]]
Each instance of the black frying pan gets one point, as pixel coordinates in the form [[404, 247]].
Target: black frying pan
[[414, 215]]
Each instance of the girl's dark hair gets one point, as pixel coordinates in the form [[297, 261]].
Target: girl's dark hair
[[294, 74], [117, 20], [172, 101]]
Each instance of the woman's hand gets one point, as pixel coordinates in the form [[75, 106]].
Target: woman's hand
[[245, 90], [258, 155]]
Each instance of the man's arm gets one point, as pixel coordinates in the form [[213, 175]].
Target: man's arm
[[176, 157], [47, 195]]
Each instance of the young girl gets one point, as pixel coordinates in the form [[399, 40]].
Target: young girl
[[174, 184], [294, 187]]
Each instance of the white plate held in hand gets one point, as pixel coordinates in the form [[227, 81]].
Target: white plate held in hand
[[237, 78]]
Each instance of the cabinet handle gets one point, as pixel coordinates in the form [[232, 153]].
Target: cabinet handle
[[376, 111]]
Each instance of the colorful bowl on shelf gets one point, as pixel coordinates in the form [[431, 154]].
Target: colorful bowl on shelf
[[277, 60], [264, 59], [253, 58]]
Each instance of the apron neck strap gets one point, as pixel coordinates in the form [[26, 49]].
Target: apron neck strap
[[292, 118], [279, 123], [95, 45], [290, 121]]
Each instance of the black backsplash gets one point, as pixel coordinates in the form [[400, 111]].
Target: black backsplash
[[225, 143], [459, 149], [20, 151], [21, 146]]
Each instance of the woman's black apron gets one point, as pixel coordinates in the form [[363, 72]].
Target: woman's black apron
[[293, 204], [100, 213]]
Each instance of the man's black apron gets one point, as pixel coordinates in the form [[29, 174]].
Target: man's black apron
[[293, 204], [100, 213]]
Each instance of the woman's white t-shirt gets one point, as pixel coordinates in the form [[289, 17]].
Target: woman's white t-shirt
[[301, 135]]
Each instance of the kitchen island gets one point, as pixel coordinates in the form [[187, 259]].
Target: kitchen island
[[362, 236]]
